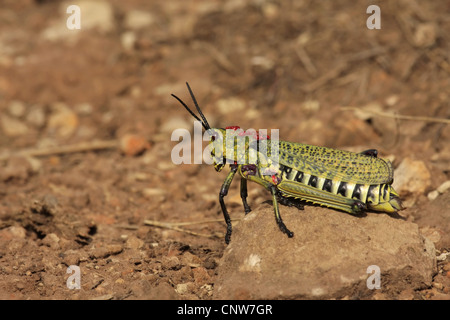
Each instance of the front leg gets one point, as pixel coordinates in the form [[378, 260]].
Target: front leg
[[223, 192], [245, 171], [244, 195]]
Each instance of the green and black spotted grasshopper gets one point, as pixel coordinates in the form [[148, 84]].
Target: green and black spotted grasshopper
[[342, 180]]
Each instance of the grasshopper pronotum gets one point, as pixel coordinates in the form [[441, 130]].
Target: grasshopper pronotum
[[342, 180]]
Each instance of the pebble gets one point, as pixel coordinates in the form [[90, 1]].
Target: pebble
[[440, 190], [201, 276], [36, 116], [412, 176], [103, 252], [444, 187], [13, 127], [63, 121], [172, 263], [138, 19], [17, 168], [128, 40], [425, 34], [51, 240], [134, 243], [133, 145], [11, 233], [230, 105], [182, 288], [71, 258], [16, 109], [84, 108], [261, 61]]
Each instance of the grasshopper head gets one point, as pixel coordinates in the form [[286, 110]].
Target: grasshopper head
[[217, 147]]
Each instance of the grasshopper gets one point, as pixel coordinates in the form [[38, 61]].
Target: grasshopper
[[343, 180]]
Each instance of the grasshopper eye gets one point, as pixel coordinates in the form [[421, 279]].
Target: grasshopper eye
[[214, 136]]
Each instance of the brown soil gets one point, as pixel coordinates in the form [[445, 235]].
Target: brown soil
[[289, 65]]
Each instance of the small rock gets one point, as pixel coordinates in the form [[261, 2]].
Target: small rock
[[138, 19], [17, 109], [84, 108], [201, 276], [263, 62], [36, 116], [392, 100], [134, 243], [71, 258], [270, 10], [230, 105], [311, 105], [433, 195], [46, 205], [11, 233], [438, 285], [425, 34], [441, 189], [189, 259], [35, 164], [17, 168], [103, 252], [133, 145], [51, 240], [63, 121], [412, 176], [210, 263], [184, 288], [171, 263], [128, 40], [13, 127], [407, 294], [444, 187]]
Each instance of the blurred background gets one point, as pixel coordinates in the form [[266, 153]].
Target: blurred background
[[86, 118]]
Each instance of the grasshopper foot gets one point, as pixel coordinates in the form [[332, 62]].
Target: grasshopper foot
[[284, 229]]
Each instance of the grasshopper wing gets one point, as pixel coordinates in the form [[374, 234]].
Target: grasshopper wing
[[335, 164]]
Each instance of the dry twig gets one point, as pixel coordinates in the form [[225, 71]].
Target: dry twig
[[175, 226], [397, 116], [80, 147]]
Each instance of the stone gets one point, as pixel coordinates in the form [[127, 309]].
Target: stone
[[63, 122], [412, 176], [36, 116], [17, 108], [328, 257], [230, 105], [133, 144], [13, 127], [134, 243], [138, 19]]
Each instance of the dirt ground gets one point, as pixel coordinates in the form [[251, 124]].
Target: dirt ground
[[86, 122]]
